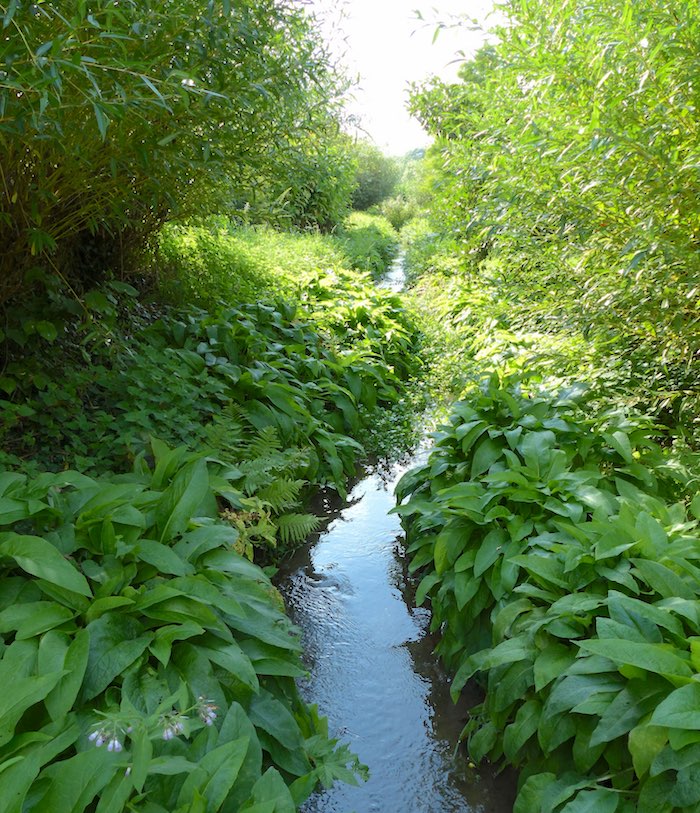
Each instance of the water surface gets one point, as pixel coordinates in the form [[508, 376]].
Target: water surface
[[372, 670]]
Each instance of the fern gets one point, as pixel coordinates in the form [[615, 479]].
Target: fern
[[282, 494], [264, 444], [292, 529], [225, 433]]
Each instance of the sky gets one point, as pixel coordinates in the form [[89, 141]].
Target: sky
[[384, 43]]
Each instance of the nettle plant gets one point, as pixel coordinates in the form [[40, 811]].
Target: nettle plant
[[561, 574], [145, 664]]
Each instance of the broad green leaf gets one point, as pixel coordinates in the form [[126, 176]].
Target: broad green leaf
[[681, 709], [165, 636], [40, 558], [529, 799], [275, 718], [658, 658], [426, 584], [662, 579], [61, 699], [21, 695], [489, 550], [632, 704], [645, 742], [141, 755], [116, 641], [33, 618], [600, 800], [181, 499], [232, 658], [162, 557], [486, 454], [73, 783], [551, 663], [522, 728], [215, 774], [271, 789]]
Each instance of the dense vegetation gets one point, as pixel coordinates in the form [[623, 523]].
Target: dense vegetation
[[177, 375], [566, 168], [175, 380], [554, 527], [152, 456]]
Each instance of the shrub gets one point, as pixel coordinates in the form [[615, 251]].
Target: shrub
[[112, 120], [370, 242], [560, 571]]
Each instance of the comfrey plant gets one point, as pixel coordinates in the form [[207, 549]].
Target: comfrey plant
[[140, 654], [116, 727]]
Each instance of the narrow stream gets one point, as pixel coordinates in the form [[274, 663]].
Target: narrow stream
[[372, 669], [395, 277]]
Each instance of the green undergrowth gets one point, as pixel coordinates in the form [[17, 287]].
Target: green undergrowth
[[508, 317], [216, 262], [147, 665], [153, 458], [558, 546], [370, 242]]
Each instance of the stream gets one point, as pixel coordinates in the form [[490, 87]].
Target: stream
[[372, 671], [370, 659]]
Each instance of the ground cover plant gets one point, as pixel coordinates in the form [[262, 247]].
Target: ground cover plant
[[561, 566], [148, 665], [152, 455], [370, 242]]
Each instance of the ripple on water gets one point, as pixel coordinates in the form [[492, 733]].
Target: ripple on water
[[372, 672]]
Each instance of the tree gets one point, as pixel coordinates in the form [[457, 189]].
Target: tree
[[375, 177], [573, 146], [115, 117]]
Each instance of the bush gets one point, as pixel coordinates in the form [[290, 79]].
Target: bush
[[376, 175], [561, 152], [112, 121], [560, 572], [142, 655]]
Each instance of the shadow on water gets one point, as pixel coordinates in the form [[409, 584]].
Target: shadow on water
[[372, 670]]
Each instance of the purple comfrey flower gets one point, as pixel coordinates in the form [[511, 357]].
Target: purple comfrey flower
[[173, 724], [206, 710]]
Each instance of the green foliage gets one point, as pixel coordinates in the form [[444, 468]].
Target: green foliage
[[111, 121], [567, 155], [271, 365], [141, 656], [561, 569], [370, 242], [218, 263], [312, 186], [376, 175]]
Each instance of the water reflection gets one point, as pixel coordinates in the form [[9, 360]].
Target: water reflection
[[372, 669]]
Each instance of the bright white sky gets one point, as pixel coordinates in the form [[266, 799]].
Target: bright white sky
[[385, 43]]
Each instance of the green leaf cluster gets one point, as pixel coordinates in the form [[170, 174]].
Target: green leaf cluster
[[127, 619], [303, 371], [561, 572], [370, 241]]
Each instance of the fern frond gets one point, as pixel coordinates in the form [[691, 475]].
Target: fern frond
[[281, 494], [293, 529], [264, 443], [225, 433]]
